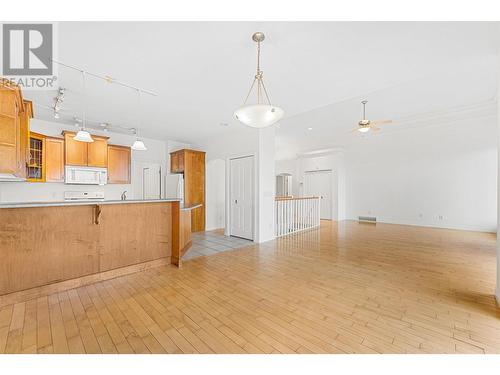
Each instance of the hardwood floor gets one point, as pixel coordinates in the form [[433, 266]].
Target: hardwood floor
[[346, 288]]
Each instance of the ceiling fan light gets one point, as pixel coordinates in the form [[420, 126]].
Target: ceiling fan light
[[259, 115], [364, 129], [83, 136], [139, 145]]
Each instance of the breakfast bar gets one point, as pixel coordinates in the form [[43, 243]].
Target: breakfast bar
[[50, 242]]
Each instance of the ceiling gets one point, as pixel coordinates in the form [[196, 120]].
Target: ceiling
[[316, 71]]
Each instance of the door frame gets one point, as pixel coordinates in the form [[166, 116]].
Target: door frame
[[227, 228], [333, 190]]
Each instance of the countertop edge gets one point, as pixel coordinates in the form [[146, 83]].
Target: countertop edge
[[83, 203], [191, 207]]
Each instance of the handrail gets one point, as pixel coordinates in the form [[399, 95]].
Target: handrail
[[294, 198]]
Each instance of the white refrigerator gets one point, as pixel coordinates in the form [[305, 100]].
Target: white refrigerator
[[174, 186]]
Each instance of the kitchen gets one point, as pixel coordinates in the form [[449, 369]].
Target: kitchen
[[75, 211]]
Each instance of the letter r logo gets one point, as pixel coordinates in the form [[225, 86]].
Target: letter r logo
[[27, 49]]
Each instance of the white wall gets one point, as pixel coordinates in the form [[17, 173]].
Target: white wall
[[34, 192], [333, 161], [418, 175], [215, 194], [415, 176], [218, 150], [266, 185]]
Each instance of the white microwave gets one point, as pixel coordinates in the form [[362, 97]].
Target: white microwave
[[85, 175]]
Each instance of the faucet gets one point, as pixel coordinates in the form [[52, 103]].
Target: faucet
[[124, 195]]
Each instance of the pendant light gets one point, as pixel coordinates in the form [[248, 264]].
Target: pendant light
[[262, 114], [83, 135], [138, 144]]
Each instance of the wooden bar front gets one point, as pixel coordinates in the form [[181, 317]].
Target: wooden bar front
[[45, 245]]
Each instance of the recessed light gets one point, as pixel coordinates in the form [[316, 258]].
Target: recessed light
[[309, 128]]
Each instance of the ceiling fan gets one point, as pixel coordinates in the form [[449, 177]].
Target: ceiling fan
[[365, 125]]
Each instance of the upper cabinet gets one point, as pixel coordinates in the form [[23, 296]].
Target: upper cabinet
[[97, 155], [24, 132], [54, 159], [75, 152], [14, 131], [177, 162], [118, 164], [84, 154], [36, 159]]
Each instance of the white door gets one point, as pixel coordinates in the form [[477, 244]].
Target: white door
[[319, 184], [151, 181], [241, 197]]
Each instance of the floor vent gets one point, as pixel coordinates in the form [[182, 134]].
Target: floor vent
[[367, 219]]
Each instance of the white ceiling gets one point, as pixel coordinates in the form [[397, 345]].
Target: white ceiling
[[316, 71]]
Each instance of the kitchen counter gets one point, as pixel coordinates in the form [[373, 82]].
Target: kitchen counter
[[53, 242], [86, 202], [191, 207]]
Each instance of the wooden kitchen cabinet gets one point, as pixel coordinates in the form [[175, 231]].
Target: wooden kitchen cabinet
[[94, 154], [75, 152], [15, 114], [97, 153], [192, 164], [24, 133], [36, 160], [177, 162], [118, 164], [54, 159]]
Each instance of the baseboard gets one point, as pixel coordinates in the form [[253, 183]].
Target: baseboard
[[44, 290], [474, 229]]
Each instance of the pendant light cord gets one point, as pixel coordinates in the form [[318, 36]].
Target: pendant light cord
[[258, 58], [84, 117], [139, 111], [260, 82]]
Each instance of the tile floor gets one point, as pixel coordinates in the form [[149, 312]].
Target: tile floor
[[213, 242]]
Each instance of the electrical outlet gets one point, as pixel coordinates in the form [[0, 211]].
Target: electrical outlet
[[440, 217]]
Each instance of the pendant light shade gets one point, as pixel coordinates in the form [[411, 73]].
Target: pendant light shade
[[263, 113], [83, 136], [259, 115], [139, 145], [364, 129]]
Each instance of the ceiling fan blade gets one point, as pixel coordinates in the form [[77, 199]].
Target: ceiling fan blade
[[374, 128], [381, 122]]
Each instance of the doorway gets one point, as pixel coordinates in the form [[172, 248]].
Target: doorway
[[319, 184], [241, 197]]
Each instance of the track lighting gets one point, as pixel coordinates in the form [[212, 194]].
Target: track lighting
[[58, 101]]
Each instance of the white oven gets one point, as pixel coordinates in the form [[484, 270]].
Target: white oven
[[86, 175]]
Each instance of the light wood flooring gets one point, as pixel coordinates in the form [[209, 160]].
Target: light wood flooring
[[346, 288]]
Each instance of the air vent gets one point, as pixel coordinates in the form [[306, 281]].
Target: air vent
[[367, 219]]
